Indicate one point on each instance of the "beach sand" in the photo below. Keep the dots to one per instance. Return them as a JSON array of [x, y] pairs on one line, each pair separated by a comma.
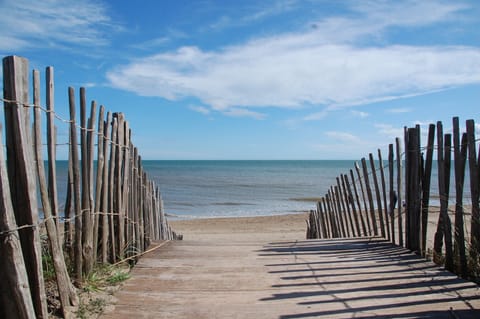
[[243, 229]]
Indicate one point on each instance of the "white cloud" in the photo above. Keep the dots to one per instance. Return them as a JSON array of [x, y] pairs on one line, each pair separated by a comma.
[[399, 110], [52, 23], [323, 66], [200, 109], [343, 137], [360, 114], [389, 130], [239, 112]]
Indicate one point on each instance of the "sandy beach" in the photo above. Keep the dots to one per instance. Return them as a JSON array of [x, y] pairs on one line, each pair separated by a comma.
[[244, 229]]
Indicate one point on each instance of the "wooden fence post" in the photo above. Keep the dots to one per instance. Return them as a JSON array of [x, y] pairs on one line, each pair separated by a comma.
[[105, 187], [460, 158], [360, 213], [78, 259], [398, 152], [111, 191], [474, 189], [391, 192], [370, 197], [378, 196], [384, 192], [15, 296], [99, 182], [349, 199], [88, 211], [51, 146], [67, 294], [426, 177], [22, 174], [444, 225], [412, 173], [357, 168], [341, 208]]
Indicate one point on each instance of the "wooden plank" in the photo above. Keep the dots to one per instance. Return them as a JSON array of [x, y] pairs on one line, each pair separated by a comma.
[[474, 189], [15, 297], [365, 205], [357, 198], [398, 153], [67, 294], [370, 196], [460, 159], [426, 178], [391, 192], [78, 259], [21, 174], [377, 196]]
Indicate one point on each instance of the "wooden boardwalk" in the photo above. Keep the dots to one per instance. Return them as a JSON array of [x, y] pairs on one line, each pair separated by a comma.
[[354, 278]]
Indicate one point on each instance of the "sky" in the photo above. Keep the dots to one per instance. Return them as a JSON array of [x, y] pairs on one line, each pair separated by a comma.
[[286, 79]]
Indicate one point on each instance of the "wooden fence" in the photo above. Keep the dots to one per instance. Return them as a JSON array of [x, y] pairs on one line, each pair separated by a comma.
[[113, 211], [398, 206]]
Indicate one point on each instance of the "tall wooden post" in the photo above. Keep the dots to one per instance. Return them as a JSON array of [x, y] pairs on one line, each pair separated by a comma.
[[21, 173]]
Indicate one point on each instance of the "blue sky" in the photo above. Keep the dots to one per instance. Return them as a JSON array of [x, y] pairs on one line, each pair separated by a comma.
[[257, 79]]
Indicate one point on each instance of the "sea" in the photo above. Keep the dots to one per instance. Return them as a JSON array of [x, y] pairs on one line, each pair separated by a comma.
[[234, 188]]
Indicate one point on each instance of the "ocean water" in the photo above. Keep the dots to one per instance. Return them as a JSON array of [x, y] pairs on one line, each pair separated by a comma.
[[199, 189], [242, 188]]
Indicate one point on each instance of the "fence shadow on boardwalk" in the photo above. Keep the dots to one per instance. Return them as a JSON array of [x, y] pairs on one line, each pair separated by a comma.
[[365, 278], [113, 211], [399, 200]]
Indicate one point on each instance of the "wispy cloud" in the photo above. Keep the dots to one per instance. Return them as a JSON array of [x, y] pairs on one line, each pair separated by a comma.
[[360, 114], [343, 137], [252, 13], [240, 112], [329, 66], [389, 131], [200, 109], [53, 23], [399, 110]]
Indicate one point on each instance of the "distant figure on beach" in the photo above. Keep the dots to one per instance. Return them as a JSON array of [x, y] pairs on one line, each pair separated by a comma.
[[394, 202]]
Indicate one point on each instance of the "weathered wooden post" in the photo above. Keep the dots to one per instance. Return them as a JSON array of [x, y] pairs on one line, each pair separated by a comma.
[[378, 196], [78, 259], [460, 158], [21, 173], [398, 155], [67, 294]]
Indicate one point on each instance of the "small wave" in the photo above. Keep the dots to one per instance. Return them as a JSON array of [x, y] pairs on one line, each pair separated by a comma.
[[233, 204], [305, 199]]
